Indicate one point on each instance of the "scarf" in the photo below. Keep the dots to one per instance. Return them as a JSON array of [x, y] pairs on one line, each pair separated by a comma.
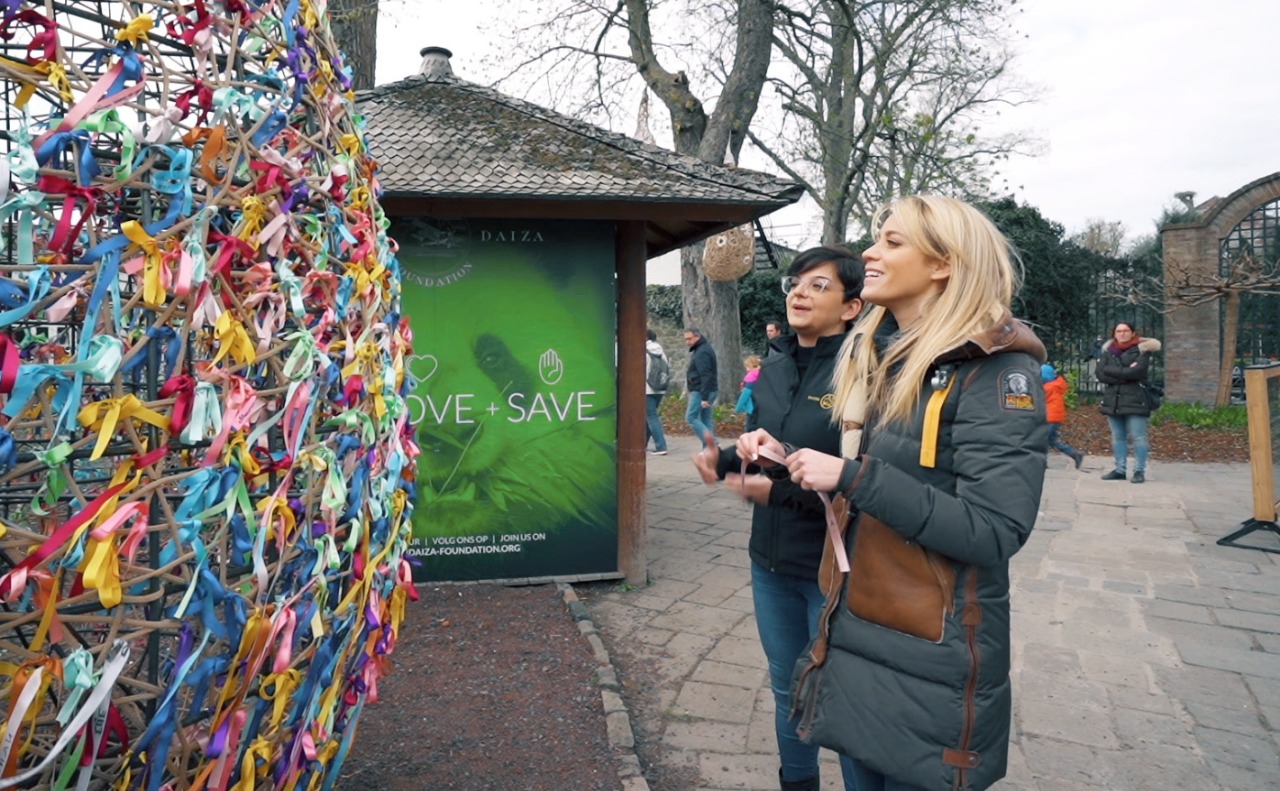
[[1117, 348]]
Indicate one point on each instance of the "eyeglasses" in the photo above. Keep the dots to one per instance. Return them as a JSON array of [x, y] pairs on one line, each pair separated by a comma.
[[818, 285]]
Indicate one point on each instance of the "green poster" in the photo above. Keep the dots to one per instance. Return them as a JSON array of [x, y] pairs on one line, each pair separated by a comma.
[[513, 335]]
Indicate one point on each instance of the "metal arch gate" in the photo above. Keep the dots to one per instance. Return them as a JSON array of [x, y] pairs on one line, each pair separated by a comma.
[[1256, 236]]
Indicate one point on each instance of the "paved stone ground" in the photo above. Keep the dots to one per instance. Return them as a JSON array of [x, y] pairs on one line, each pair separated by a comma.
[[1145, 656]]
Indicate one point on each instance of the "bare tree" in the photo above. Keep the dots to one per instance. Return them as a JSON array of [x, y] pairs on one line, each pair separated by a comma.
[[1243, 273], [1102, 236], [355, 28], [587, 53], [886, 97]]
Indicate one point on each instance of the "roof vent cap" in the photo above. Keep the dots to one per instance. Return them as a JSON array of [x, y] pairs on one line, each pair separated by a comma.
[[435, 62]]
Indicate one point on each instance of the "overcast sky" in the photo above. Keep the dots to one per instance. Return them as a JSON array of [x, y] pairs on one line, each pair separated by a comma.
[[1141, 99]]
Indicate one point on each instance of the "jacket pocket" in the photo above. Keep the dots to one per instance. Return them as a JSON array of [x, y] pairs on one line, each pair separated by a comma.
[[897, 584]]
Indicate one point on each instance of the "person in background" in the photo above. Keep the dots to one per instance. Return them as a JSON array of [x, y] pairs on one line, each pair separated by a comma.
[[653, 398], [745, 404], [1122, 370], [700, 383], [1055, 411], [942, 465], [772, 331], [788, 525]]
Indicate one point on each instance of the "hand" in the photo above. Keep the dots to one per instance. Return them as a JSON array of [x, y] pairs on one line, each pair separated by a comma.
[[706, 460], [814, 470], [750, 444], [755, 488], [706, 404]]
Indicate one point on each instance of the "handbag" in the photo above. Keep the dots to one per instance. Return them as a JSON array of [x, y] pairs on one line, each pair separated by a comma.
[[1153, 397]]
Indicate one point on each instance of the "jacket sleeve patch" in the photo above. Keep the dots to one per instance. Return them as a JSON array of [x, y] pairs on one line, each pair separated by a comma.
[[1016, 393]]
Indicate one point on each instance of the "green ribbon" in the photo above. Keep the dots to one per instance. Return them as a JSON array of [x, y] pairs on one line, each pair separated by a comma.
[[108, 122]]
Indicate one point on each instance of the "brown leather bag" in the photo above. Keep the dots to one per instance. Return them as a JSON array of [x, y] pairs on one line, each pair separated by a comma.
[[897, 584]]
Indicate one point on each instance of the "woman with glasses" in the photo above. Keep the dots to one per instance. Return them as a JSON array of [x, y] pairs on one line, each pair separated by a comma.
[[1122, 369], [942, 463], [788, 526]]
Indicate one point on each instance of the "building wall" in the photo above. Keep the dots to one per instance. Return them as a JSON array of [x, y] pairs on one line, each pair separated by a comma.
[[1193, 336]]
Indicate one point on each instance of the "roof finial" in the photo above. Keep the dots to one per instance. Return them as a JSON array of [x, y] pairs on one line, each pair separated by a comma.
[[435, 62]]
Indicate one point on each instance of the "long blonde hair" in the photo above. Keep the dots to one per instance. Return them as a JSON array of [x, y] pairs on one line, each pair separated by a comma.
[[974, 297]]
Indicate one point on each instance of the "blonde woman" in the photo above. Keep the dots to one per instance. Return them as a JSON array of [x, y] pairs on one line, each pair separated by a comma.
[[942, 461]]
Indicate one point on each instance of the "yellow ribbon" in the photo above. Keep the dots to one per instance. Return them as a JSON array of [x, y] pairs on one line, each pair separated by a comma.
[[360, 199], [366, 355], [271, 511], [136, 31], [253, 214], [102, 417], [29, 76], [101, 570], [278, 688], [254, 764], [237, 450], [350, 144], [234, 340], [152, 285], [256, 631]]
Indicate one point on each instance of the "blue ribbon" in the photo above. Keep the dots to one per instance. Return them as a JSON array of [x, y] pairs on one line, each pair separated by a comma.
[[56, 147], [8, 451]]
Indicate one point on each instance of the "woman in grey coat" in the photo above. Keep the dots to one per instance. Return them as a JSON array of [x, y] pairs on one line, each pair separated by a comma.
[[1123, 367], [942, 461]]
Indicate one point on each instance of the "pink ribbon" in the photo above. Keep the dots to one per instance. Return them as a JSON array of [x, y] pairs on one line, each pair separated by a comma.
[[833, 527]]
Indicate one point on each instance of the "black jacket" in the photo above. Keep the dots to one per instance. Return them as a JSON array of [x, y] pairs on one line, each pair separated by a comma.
[[702, 376], [1122, 393], [787, 535], [911, 708]]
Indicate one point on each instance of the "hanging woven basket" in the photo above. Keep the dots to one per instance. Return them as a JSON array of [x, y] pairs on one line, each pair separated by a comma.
[[729, 255]]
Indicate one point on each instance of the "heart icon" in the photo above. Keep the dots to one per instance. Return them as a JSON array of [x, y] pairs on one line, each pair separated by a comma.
[[423, 366]]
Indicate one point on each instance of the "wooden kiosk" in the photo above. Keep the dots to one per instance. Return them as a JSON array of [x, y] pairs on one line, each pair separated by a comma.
[[464, 165]]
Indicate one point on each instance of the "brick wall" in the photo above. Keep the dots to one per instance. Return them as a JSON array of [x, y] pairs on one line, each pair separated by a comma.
[[1192, 342]]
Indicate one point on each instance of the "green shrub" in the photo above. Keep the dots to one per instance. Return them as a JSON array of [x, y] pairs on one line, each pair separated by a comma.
[[665, 302], [1073, 391], [1201, 416]]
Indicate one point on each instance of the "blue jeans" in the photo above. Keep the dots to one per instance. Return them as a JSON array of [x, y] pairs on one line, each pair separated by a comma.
[[1136, 428], [1056, 442], [698, 416], [870, 780], [652, 423], [787, 611]]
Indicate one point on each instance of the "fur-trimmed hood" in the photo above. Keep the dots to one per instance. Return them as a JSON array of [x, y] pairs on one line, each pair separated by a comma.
[[1146, 345], [1007, 335]]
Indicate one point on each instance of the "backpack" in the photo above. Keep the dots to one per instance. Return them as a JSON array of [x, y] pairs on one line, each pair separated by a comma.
[[659, 376]]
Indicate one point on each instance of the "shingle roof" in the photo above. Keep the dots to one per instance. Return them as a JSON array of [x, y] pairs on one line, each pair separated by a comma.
[[444, 137]]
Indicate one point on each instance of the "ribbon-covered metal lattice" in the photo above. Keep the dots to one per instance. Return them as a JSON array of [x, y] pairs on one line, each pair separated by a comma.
[[206, 462]]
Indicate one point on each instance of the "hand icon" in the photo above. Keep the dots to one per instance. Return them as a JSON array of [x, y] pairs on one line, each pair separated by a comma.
[[550, 367]]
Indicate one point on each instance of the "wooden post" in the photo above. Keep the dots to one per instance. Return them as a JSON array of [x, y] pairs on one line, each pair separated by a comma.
[[632, 323], [1261, 464]]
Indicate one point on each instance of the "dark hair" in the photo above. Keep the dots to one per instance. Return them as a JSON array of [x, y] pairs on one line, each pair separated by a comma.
[[848, 266], [1132, 327], [653, 336], [778, 325]]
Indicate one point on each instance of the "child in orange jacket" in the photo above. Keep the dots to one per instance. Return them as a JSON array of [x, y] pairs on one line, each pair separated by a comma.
[[1055, 410]]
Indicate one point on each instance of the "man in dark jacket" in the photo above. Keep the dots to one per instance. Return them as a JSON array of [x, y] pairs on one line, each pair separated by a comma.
[[700, 384]]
